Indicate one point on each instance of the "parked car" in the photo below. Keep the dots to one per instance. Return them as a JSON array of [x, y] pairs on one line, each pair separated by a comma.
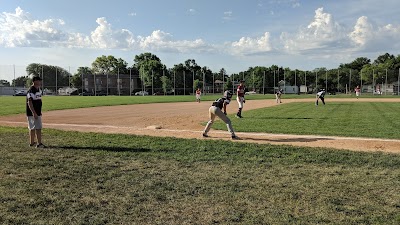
[[142, 93], [85, 93], [20, 93], [101, 93]]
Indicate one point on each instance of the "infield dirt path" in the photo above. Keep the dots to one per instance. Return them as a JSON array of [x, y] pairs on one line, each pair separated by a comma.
[[183, 120]]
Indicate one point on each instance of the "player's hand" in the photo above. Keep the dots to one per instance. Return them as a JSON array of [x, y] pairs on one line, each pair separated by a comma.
[[244, 101], [35, 116]]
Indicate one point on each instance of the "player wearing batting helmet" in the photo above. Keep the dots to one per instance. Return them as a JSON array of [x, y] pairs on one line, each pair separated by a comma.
[[216, 110]]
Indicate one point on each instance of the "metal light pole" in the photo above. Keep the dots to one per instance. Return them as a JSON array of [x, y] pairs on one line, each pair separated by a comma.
[[223, 82], [338, 79], [264, 83], [152, 82], [350, 82], [361, 82], [184, 82], [305, 81], [14, 78], [284, 81], [274, 80], [386, 82], [82, 83], [213, 84], [118, 83], [56, 79], [193, 84], [316, 80], [373, 81], [326, 81], [107, 84], [174, 84], [130, 82], [204, 82]]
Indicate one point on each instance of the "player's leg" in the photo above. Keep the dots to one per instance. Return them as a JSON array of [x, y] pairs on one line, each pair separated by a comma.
[[38, 127], [240, 103], [316, 101], [323, 100], [211, 112], [227, 121], [31, 128]]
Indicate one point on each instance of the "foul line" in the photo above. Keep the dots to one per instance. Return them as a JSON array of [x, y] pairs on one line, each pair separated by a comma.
[[217, 132]]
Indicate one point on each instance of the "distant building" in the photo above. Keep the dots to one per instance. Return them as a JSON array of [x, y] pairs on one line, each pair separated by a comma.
[[111, 84]]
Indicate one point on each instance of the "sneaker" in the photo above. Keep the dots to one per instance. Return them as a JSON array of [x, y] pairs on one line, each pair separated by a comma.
[[205, 135], [235, 137], [239, 116], [31, 145], [40, 146]]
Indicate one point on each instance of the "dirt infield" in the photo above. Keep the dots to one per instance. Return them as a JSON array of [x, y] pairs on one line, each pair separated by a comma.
[[183, 120]]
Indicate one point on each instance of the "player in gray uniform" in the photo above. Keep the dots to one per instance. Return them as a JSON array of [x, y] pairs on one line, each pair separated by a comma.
[[320, 95], [216, 110]]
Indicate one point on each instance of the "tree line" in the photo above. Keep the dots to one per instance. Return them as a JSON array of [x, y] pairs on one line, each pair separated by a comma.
[[187, 75]]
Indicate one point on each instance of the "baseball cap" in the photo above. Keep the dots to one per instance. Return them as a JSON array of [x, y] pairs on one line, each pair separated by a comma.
[[36, 78]]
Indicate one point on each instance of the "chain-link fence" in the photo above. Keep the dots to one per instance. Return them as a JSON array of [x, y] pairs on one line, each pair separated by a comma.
[[68, 81]]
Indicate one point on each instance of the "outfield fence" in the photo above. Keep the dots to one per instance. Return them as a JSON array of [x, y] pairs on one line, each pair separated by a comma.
[[67, 81]]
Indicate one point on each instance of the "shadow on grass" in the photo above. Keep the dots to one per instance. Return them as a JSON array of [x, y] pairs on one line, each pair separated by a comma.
[[101, 148], [287, 139]]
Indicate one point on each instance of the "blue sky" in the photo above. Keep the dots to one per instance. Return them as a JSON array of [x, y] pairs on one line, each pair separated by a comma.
[[225, 33]]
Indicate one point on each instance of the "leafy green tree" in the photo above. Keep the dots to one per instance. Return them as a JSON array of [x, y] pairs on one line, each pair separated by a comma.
[[4, 83], [20, 81], [53, 76], [166, 83], [109, 65], [150, 69]]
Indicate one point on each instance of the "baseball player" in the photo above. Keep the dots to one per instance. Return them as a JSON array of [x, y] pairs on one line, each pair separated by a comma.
[[278, 96], [240, 98], [358, 91], [198, 95], [216, 110], [320, 95], [34, 113]]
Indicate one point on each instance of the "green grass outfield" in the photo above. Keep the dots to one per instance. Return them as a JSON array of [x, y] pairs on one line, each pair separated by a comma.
[[352, 119], [16, 105], [122, 179]]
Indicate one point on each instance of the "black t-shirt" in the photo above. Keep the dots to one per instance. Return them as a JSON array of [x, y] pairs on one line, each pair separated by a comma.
[[220, 102], [35, 95]]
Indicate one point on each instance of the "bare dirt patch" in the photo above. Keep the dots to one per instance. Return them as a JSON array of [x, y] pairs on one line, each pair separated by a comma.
[[183, 120]]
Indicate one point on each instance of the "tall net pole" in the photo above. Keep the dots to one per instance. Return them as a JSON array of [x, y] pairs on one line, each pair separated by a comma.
[[184, 82], [264, 83], [193, 83], [130, 82]]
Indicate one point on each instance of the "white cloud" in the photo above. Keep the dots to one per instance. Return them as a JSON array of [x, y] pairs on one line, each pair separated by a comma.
[[366, 36], [132, 14], [251, 46], [19, 30], [104, 37], [323, 32], [295, 4], [228, 15], [192, 12], [162, 41]]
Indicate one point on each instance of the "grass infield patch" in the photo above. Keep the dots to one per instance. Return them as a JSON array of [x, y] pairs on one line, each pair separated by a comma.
[[350, 119], [89, 178], [15, 105]]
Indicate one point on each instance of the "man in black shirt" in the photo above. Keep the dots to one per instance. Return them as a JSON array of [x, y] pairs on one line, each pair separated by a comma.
[[34, 112], [216, 110]]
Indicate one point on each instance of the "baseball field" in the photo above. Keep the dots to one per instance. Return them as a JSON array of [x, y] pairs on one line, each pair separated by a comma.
[[142, 160]]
